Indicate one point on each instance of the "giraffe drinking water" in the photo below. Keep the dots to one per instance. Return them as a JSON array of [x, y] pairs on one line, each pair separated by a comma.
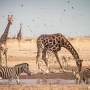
[[54, 42]]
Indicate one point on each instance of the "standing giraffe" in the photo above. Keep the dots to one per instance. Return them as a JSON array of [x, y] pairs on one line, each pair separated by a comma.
[[19, 35], [3, 40], [54, 42]]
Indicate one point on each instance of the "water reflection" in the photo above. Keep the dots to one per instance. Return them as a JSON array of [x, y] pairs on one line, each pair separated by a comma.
[[55, 81], [42, 81]]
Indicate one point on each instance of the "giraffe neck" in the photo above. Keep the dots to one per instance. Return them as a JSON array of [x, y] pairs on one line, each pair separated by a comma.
[[20, 30], [71, 49], [19, 35], [5, 34]]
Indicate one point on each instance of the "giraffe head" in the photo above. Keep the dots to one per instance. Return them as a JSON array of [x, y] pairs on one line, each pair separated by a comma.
[[79, 64], [10, 19], [20, 25]]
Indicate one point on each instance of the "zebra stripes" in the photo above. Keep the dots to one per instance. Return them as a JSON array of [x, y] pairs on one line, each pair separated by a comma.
[[20, 68], [86, 75], [13, 72], [6, 72]]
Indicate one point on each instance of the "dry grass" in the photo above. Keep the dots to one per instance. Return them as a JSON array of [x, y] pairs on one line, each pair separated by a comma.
[[26, 52]]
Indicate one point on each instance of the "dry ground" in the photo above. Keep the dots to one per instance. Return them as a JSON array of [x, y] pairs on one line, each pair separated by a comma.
[[25, 52], [45, 87]]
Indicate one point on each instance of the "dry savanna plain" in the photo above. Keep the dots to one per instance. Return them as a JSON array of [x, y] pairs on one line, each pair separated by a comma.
[[26, 51]]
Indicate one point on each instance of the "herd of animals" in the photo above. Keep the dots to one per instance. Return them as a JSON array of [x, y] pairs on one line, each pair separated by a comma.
[[45, 43]]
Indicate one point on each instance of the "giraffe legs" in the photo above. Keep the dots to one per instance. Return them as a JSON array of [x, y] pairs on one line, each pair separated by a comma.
[[3, 53], [39, 62], [38, 55], [0, 58], [56, 55], [5, 57], [44, 59]]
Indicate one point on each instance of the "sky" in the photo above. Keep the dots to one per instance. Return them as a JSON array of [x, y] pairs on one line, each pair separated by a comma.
[[69, 17]]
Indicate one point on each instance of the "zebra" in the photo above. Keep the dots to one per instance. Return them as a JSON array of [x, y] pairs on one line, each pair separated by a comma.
[[86, 75], [14, 72]]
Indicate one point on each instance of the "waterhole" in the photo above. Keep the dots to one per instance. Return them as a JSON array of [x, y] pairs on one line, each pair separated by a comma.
[[41, 81]]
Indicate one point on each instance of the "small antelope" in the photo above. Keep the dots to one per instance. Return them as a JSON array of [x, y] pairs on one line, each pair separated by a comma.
[[65, 60], [77, 76]]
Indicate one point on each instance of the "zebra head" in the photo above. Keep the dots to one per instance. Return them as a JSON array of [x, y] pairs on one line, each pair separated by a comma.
[[23, 67], [26, 69]]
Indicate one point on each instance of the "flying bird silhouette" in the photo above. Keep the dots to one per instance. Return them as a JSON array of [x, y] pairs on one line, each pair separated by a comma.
[[68, 1]]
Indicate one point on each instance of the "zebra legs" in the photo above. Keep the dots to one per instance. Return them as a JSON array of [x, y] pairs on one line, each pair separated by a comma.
[[9, 81], [0, 80], [17, 79]]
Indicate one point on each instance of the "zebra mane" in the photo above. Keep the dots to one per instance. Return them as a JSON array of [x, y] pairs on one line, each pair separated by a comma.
[[21, 64]]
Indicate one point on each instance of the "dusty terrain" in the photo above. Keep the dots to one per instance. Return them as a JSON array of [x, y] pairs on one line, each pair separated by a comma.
[[25, 52]]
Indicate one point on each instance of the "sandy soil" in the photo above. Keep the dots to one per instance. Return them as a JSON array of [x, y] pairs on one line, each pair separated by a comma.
[[45, 87], [25, 52]]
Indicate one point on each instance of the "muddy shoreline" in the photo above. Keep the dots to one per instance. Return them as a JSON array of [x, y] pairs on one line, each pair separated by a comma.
[[26, 53], [45, 87]]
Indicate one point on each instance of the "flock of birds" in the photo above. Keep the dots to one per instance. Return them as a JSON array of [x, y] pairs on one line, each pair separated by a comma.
[[43, 19]]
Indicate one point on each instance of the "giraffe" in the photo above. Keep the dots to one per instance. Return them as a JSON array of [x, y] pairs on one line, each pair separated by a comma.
[[19, 35], [3, 40], [54, 43]]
